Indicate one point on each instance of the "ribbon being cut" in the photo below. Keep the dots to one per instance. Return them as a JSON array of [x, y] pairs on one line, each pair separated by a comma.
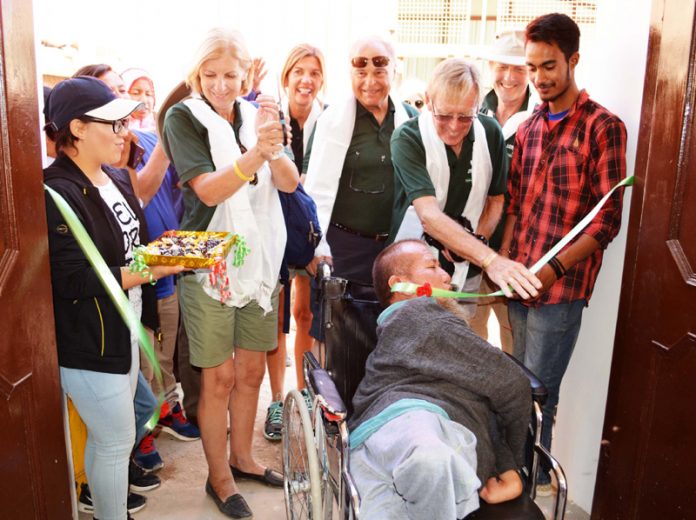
[[427, 290]]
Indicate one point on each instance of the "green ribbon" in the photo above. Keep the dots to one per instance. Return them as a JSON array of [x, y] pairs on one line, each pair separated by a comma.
[[138, 264], [241, 250], [113, 289], [410, 288]]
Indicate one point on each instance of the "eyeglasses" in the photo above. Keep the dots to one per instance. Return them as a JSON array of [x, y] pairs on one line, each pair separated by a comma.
[[418, 103], [446, 119], [363, 190], [117, 126], [360, 62]]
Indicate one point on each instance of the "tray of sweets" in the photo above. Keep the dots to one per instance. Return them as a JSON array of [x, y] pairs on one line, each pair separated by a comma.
[[193, 249]]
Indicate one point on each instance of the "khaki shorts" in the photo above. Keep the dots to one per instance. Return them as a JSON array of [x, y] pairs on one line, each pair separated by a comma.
[[214, 330]]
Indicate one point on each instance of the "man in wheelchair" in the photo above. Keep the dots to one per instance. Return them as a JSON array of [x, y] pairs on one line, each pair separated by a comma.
[[440, 418]]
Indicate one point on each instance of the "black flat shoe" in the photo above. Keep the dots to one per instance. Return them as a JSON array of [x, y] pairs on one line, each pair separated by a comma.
[[234, 507], [270, 477]]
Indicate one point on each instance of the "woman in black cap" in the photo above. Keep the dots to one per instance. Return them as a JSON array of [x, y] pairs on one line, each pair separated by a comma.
[[97, 354]]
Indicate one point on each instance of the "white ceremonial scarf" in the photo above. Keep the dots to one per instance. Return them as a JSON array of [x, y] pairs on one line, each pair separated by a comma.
[[253, 212], [439, 172], [314, 114], [512, 124], [332, 137]]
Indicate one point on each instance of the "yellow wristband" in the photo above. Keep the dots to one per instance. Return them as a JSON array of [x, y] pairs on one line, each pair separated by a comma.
[[238, 172], [488, 260]]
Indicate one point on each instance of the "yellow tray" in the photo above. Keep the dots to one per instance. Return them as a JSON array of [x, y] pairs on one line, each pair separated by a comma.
[[213, 256]]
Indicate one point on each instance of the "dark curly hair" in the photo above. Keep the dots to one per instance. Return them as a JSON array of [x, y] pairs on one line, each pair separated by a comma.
[[555, 28]]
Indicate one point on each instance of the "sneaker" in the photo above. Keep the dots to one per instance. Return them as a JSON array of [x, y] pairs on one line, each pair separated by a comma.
[[84, 503], [273, 429], [308, 399], [140, 480], [176, 425], [146, 455]]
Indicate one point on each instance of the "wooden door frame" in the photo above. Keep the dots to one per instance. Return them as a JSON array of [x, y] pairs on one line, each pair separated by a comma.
[[34, 474]]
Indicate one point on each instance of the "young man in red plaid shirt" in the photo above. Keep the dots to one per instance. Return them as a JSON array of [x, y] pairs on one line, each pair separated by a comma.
[[567, 156]]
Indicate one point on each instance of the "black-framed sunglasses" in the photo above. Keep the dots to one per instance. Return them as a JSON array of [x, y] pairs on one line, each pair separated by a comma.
[[418, 103], [117, 126], [360, 62]]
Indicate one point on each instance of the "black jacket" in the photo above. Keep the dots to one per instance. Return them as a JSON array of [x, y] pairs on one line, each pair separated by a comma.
[[90, 333]]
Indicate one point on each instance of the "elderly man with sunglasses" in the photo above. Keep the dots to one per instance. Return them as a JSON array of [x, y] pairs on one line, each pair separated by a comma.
[[349, 168], [450, 181]]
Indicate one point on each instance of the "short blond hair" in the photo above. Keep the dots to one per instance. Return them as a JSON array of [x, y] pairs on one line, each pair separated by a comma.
[[453, 77], [217, 43], [297, 53]]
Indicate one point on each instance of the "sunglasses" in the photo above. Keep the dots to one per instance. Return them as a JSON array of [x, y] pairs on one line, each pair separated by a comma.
[[418, 103], [446, 119], [117, 126], [360, 62]]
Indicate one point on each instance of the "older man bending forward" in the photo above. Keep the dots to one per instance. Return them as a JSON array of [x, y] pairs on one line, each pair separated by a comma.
[[440, 416]]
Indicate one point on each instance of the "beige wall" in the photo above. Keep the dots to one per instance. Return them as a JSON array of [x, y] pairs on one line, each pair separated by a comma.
[[612, 70]]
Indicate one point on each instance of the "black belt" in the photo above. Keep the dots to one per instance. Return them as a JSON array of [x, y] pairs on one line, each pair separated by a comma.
[[381, 237]]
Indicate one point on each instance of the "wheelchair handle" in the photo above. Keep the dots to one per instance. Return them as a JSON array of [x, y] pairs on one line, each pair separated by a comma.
[[323, 271]]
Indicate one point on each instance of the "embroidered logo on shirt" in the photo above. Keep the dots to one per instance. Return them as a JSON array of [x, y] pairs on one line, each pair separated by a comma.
[[62, 229]]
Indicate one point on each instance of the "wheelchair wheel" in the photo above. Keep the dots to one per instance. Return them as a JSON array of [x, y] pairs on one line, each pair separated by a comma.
[[327, 495], [300, 465]]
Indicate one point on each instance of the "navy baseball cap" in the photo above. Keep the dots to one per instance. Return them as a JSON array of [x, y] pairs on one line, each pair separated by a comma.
[[85, 96]]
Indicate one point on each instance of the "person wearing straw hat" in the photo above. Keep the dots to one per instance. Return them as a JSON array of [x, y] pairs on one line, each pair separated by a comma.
[[510, 102], [568, 154], [450, 173]]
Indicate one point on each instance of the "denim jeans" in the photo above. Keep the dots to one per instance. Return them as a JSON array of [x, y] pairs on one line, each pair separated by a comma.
[[543, 339], [105, 403], [144, 404]]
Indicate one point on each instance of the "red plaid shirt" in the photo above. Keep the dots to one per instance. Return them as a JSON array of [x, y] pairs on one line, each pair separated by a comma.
[[556, 177]]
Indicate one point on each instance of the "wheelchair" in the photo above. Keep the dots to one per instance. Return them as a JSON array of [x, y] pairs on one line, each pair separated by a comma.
[[316, 465]]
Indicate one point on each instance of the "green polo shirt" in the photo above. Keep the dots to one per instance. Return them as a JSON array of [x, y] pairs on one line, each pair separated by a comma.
[[366, 188], [411, 176], [185, 141], [488, 107]]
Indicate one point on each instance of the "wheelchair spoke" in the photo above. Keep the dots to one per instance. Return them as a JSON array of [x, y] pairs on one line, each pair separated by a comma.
[[299, 460]]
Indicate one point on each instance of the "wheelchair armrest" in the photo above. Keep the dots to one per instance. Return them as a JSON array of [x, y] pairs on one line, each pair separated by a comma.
[[327, 394], [539, 391]]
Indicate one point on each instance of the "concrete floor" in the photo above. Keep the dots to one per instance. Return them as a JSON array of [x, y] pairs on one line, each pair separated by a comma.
[[182, 495]]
